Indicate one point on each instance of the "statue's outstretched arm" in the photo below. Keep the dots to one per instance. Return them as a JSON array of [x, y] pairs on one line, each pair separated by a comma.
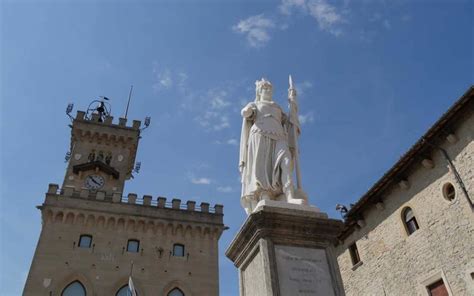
[[248, 111]]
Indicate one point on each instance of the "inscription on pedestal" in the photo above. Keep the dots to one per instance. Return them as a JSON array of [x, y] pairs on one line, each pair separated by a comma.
[[303, 271]]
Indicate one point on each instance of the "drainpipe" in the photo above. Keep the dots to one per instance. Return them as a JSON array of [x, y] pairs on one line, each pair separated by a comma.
[[455, 172]]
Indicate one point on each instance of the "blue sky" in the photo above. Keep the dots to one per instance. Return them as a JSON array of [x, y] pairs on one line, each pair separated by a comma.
[[372, 76]]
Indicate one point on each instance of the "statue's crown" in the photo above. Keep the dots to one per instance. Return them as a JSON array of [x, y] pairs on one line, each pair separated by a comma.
[[259, 84]]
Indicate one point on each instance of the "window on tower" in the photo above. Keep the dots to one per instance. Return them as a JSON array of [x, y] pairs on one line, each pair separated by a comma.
[[178, 250], [133, 245], [85, 241]]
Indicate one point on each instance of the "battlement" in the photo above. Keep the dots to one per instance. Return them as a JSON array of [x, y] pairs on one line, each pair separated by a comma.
[[133, 199], [122, 122]]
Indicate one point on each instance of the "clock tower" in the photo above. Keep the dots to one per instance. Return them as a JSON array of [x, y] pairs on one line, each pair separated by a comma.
[[94, 238], [102, 154]]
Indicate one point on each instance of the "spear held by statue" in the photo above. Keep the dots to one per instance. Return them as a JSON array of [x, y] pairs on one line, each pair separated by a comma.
[[294, 130]]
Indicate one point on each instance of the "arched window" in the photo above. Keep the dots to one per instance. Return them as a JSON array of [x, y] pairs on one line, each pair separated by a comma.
[[176, 292], [125, 291], [410, 221], [178, 250], [74, 289]]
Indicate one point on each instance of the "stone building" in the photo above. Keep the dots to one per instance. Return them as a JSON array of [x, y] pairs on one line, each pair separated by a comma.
[[412, 233], [92, 238]]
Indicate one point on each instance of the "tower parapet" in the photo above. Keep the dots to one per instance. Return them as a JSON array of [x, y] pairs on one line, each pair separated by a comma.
[[108, 121], [54, 193]]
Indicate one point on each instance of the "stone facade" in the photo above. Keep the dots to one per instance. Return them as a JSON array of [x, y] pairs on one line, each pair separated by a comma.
[[113, 223], [392, 262]]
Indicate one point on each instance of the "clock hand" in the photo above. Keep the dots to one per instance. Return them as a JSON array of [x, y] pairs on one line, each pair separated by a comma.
[[95, 181]]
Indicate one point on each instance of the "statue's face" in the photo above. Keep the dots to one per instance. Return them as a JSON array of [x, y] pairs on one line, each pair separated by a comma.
[[266, 93]]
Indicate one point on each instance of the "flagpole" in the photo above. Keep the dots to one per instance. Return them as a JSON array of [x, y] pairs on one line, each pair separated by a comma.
[[131, 286], [128, 103]]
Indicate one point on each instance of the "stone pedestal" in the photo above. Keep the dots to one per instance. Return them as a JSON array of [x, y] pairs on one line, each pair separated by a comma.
[[287, 250]]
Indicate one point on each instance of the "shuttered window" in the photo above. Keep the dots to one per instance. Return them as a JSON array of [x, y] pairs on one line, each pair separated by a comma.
[[354, 254], [438, 289]]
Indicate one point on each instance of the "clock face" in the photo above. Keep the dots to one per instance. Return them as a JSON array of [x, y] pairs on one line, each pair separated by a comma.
[[94, 182]]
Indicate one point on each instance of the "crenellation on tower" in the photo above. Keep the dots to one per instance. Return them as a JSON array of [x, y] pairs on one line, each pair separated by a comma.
[[133, 199], [108, 120]]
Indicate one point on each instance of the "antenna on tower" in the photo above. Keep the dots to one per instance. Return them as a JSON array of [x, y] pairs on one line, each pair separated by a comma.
[[128, 103]]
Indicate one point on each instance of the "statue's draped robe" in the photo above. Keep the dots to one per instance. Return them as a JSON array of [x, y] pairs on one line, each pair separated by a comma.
[[263, 147]]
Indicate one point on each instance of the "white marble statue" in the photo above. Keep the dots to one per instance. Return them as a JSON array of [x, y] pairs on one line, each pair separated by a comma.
[[268, 150]]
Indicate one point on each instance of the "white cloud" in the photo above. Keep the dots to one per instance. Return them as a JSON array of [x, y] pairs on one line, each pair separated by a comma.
[[287, 6], [216, 116], [225, 189], [375, 17], [256, 28], [380, 19], [213, 120], [326, 15], [218, 99], [223, 122], [306, 118], [302, 87], [182, 79], [162, 78], [232, 142], [201, 181]]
